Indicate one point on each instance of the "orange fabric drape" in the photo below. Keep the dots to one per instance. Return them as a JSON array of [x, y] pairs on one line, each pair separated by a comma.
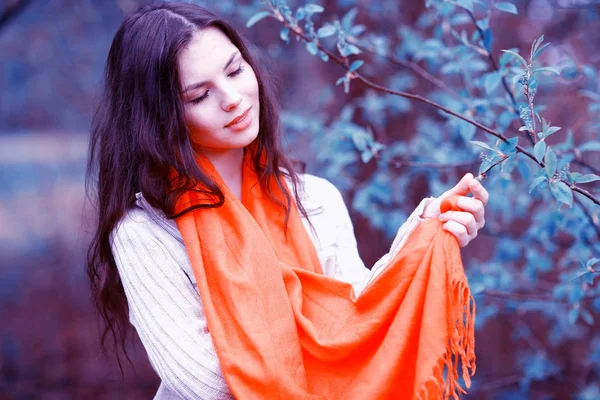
[[283, 330]]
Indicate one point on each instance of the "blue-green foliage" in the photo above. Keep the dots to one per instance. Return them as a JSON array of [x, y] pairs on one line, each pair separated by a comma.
[[544, 236]]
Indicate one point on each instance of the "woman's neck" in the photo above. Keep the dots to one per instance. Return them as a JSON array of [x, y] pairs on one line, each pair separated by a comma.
[[228, 164]]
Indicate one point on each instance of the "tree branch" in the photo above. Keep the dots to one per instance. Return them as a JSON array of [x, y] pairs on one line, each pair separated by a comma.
[[416, 68], [355, 75], [410, 164]]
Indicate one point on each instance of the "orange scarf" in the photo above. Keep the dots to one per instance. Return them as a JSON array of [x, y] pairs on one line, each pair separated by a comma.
[[283, 330]]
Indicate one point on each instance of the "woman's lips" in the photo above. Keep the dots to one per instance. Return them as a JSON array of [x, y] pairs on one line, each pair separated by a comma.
[[238, 118], [242, 122]]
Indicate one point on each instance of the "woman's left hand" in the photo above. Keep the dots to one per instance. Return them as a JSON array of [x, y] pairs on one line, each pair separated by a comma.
[[462, 224]]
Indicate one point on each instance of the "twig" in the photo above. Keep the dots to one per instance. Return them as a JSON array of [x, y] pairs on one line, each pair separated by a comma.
[[409, 164], [584, 192], [493, 61], [496, 68], [529, 297], [414, 67], [499, 383], [579, 160], [585, 164], [593, 219], [483, 174]]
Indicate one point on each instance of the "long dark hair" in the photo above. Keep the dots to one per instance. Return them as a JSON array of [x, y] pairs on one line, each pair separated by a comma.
[[138, 133]]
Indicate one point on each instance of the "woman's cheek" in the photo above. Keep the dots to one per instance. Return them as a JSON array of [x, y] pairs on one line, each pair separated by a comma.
[[251, 84], [197, 123]]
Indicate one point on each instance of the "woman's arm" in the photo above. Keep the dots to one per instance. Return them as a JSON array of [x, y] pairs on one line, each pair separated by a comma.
[[165, 309], [464, 225], [339, 252]]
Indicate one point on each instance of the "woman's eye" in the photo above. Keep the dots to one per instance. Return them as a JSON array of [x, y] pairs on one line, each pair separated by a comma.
[[199, 99], [236, 72], [205, 95]]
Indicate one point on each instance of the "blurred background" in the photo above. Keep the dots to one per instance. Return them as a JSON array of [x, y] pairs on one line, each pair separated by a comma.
[[532, 268]]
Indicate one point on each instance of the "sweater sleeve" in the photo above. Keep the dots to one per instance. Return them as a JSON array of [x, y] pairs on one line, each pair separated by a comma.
[[351, 268], [165, 309]]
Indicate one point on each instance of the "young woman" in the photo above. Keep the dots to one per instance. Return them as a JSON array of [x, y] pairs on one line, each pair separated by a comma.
[[197, 201]]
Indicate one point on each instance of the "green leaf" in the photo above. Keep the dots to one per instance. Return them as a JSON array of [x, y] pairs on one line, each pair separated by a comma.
[[589, 94], [340, 80], [533, 83], [591, 262], [579, 275], [481, 144], [506, 7], [348, 19], [585, 315], [466, 4], [491, 81], [517, 56], [509, 145], [485, 164], [366, 156], [539, 51], [517, 78], [539, 150], [573, 176], [580, 178], [257, 17], [551, 130], [488, 39], [313, 8], [550, 160], [352, 49], [593, 145], [466, 130], [312, 48], [356, 30], [361, 140], [545, 69], [326, 31], [573, 315], [535, 45], [285, 34], [562, 192], [300, 14], [537, 182], [355, 65]]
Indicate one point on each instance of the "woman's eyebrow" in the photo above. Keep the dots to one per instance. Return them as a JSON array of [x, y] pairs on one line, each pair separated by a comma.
[[199, 84]]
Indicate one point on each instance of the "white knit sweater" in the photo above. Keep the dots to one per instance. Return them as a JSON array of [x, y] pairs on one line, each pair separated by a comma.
[[164, 304]]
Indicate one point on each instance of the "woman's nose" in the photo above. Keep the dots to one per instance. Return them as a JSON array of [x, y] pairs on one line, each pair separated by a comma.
[[231, 100]]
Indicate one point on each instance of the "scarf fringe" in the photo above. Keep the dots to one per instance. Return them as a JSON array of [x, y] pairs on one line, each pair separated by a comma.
[[461, 346]]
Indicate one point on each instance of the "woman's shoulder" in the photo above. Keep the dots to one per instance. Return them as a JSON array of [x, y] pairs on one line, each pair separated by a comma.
[[145, 221], [317, 190], [316, 193]]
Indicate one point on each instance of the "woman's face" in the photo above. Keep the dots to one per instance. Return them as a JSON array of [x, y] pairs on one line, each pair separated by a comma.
[[218, 87]]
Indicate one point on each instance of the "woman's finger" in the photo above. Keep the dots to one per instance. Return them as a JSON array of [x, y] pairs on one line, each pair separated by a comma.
[[459, 231], [461, 188], [464, 218], [475, 207], [479, 191]]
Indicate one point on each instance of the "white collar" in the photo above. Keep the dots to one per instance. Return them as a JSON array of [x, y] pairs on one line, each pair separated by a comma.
[[158, 216]]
